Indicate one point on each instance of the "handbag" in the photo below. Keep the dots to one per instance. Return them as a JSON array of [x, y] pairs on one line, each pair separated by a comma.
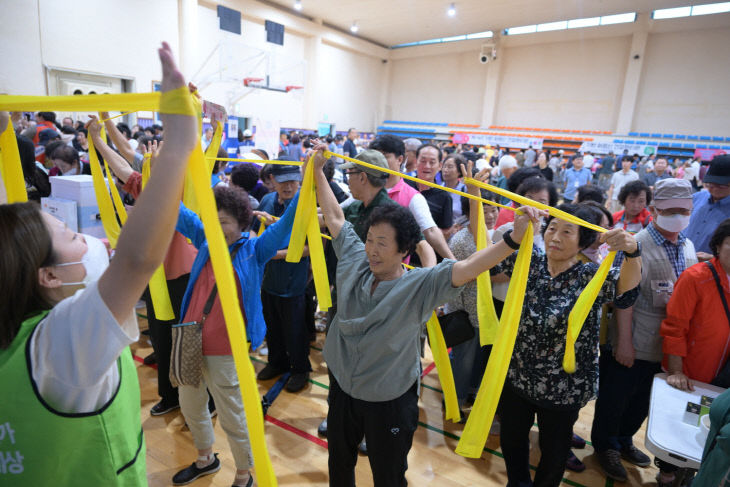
[[456, 327], [722, 379], [186, 356]]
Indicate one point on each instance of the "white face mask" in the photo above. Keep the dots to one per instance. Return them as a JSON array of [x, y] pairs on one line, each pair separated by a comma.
[[673, 223], [95, 262], [71, 172]]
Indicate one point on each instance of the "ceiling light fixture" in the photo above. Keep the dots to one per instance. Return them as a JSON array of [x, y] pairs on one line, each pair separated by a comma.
[[298, 5], [452, 10], [354, 28]]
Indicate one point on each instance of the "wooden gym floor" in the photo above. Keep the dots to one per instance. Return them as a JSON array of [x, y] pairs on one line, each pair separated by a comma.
[[299, 456]]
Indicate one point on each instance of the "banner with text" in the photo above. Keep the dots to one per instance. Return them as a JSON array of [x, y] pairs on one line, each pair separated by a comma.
[[267, 136], [500, 140], [603, 145]]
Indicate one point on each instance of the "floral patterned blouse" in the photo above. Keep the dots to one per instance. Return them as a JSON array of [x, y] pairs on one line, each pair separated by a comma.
[[536, 369]]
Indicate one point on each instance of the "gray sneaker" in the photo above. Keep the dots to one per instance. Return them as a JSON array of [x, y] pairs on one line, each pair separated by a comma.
[[610, 461], [633, 455]]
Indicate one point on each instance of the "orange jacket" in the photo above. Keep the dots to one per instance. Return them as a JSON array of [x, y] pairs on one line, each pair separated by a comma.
[[696, 327]]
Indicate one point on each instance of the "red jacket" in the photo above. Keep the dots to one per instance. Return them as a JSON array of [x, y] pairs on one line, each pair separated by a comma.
[[696, 327]]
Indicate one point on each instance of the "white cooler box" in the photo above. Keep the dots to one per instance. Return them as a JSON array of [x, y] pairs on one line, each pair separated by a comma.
[[64, 210], [80, 188], [668, 436]]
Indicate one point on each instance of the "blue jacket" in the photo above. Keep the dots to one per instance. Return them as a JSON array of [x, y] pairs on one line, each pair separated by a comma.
[[249, 262]]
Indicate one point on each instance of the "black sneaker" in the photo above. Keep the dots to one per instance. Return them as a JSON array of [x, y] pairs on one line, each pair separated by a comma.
[[610, 461], [322, 428], [161, 408], [633, 455], [577, 442], [297, 382], [269, 372], [187, 475]]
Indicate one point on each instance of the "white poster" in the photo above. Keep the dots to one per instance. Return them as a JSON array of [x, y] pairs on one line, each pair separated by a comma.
[[604, 145], [267, 137], [500, 140]]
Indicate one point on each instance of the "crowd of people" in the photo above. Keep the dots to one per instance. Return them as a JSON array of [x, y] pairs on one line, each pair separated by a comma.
[[662, 306]]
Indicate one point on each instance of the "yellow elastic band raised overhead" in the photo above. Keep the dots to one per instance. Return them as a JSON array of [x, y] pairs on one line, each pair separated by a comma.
[[528, 202], [178, 103], [235, 325]]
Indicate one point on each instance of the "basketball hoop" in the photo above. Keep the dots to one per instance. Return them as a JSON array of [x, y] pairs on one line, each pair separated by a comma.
[[250, 81]]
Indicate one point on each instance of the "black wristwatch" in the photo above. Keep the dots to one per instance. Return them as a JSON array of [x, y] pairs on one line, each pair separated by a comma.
[[636, 253]]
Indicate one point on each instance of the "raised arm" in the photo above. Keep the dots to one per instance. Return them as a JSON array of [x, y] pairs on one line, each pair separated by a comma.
[[147, 234], [334, 218], [119, 140], [117, 164], [622, 240], [468, 269]]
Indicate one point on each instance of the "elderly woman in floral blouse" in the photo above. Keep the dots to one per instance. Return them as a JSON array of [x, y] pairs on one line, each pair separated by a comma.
[[536, 382]]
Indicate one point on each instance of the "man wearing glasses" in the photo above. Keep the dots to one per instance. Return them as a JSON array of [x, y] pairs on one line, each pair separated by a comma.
[[711, 207]]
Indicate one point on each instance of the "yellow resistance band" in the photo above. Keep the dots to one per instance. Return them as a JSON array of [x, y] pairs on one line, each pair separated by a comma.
[[306, 227], [480, 420], [235, 326], [123, 102], [486, 313], [159, 293], [215, 143], [10, 166], [257, 161]]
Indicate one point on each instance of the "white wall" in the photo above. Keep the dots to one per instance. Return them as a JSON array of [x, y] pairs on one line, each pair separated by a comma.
[[110, 38], [349, 88], [572, 85], [441, 88], [575, 79], [685, 87]]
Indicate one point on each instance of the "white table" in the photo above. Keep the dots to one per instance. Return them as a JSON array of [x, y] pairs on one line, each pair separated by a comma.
[[668, 437]]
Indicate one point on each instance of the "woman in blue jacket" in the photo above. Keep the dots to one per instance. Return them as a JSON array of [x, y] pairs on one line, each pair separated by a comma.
[[249, 257]]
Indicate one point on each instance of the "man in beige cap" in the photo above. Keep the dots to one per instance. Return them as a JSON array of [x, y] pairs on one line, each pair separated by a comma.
[[634, 355]]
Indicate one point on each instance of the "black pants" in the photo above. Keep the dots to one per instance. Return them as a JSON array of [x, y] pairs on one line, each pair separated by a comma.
[[161, 336], [286, 332], [388, 427], [623, 401], [516, 417]]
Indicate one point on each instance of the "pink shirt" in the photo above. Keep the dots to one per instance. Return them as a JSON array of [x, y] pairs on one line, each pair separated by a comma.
[[180, 254], [215, 335], [401, 193]]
